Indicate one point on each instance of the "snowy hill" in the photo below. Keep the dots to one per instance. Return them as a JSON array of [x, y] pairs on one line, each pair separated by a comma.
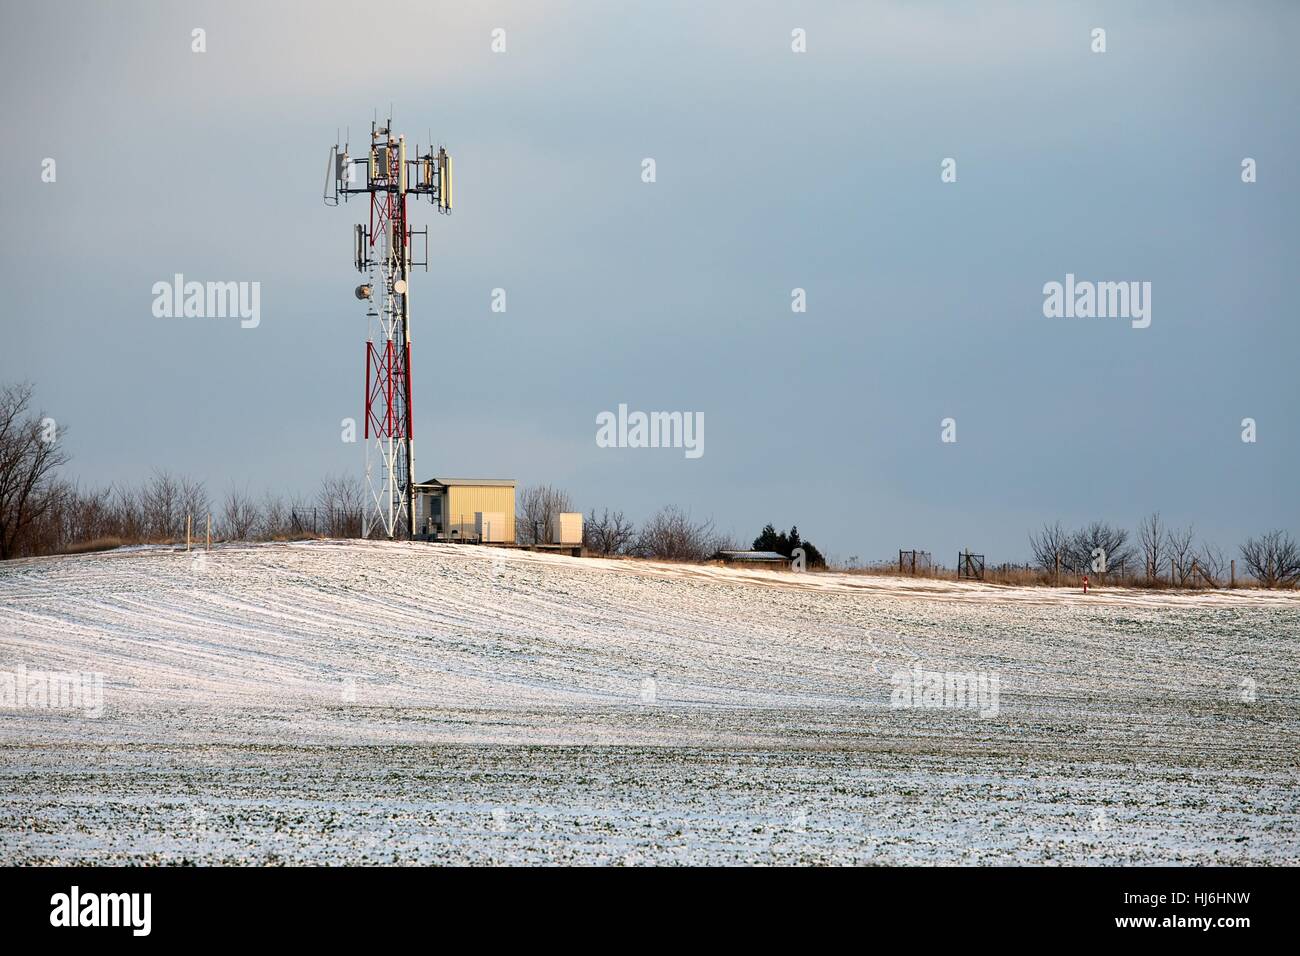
[[717, 696]]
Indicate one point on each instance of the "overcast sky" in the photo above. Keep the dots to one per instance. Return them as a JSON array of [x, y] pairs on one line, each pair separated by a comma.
[[775, 170]]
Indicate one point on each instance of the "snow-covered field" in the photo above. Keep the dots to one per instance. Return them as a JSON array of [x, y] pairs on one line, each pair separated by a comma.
[[395, 703]]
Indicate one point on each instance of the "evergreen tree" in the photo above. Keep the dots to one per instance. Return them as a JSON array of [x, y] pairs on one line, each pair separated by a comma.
[[812, 556], [768, 540], [782, 543]]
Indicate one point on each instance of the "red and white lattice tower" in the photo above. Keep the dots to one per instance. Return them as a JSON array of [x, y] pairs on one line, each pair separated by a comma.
[[382, 250]]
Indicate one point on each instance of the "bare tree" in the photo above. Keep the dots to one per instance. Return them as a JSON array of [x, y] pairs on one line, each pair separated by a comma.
[[611, 533], [77, 518], [727, 541], [58, 522], [239, 515], [160, 505], [340, 500], [1211, 563], [72, 517], [1086, 543], [1151, 536], [537, 506], [194, 502], [127, 513], [670, 533], [1272, 559], [1050, 547], [30, 454], [1182, 552], [274, 521]]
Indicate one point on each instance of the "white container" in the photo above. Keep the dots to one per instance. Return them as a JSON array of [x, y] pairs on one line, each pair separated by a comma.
[[566, 528], [490, 526]]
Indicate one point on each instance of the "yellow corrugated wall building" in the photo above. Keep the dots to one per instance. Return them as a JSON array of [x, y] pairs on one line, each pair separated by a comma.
[[464, 500], [461, 499]]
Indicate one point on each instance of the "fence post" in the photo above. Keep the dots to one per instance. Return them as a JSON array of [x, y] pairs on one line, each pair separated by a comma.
[[209, 531], [1234, 573], [189, 518]]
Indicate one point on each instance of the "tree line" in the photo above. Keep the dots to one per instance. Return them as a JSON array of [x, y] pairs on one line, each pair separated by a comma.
[[41, 512], [1163, 554], [670, 534]]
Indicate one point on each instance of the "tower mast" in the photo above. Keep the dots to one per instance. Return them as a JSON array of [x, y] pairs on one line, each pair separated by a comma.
[[383, 252]]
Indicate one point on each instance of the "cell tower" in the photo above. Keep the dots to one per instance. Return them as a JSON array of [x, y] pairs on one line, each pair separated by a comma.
[[382, 251]]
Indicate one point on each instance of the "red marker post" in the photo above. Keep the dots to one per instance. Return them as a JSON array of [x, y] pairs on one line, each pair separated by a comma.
[[1085, 584]]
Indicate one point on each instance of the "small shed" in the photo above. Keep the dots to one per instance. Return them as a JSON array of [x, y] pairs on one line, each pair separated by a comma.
[[454, 509], [766, 559]]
